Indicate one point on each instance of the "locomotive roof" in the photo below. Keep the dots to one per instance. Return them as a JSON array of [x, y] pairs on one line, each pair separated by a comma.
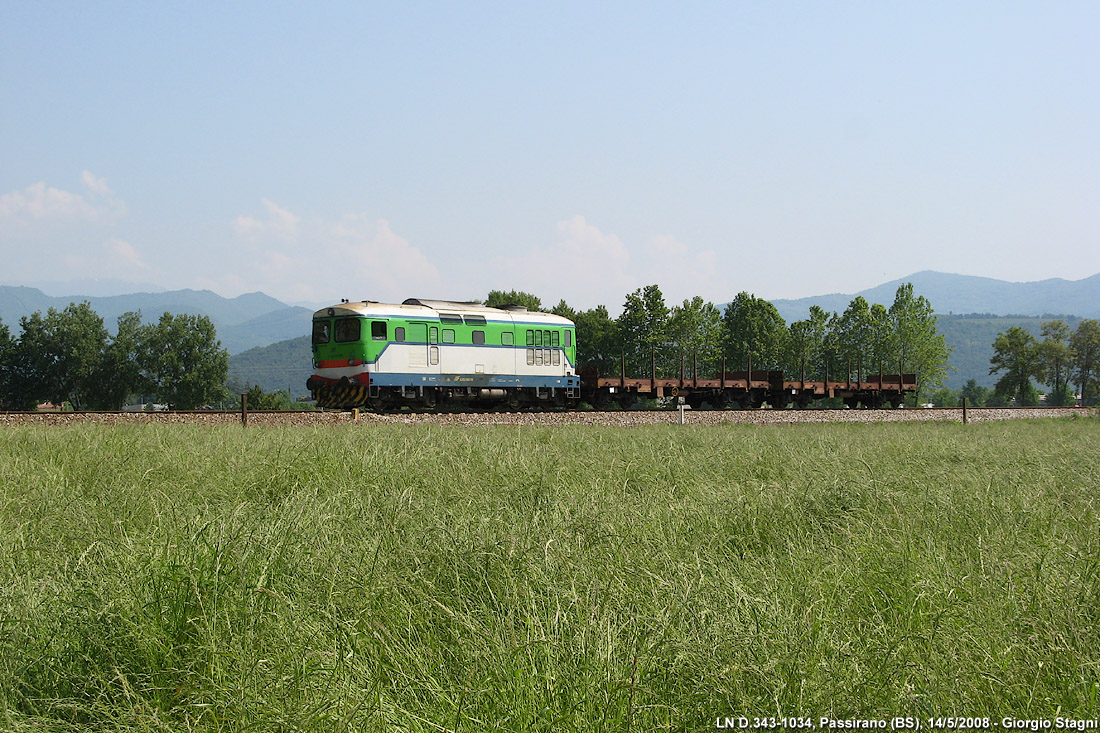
[[414, 307]]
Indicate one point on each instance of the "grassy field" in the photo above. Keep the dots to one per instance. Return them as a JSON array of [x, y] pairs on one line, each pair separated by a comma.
[[576, 578]]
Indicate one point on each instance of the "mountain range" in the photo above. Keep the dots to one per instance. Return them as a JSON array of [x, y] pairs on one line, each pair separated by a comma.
[[969, 294], [267, 342]]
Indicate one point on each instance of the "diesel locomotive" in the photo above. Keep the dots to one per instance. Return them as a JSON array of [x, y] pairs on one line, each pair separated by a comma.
[[427, 353]]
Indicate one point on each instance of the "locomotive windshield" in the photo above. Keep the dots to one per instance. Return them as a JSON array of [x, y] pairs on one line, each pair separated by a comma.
[[347, 329], [320, 332]]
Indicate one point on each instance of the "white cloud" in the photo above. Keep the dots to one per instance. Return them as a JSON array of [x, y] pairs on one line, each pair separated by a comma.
[[124, 254], [40, 202], [683, 272], [585, 267], [588, 267], [279, 224], [355, 256]]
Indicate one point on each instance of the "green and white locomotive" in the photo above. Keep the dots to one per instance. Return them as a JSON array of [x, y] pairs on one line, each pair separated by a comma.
[[428, 353]]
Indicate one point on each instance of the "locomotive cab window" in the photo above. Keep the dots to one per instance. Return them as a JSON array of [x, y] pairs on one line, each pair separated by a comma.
[[320, 332], [347, 329], [568, 338], [378, 330]]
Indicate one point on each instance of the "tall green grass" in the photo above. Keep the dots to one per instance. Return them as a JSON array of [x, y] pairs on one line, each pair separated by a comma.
[[445, 578]]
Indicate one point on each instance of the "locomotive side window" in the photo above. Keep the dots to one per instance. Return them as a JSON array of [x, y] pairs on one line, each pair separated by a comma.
[[507, 338], [474, 320], [478, 337], [448, 335], [557, 358], [433, 335], [538, 338], [433, 355], [450, 318], [399, 333], [568, 338], [530, 356], [556, 335], [320, 332], [530, 337], [378, 330], [347, 329]]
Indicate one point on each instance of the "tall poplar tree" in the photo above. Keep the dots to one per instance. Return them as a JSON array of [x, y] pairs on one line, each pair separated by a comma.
[[918, 346], [644, 329], [753, 327]]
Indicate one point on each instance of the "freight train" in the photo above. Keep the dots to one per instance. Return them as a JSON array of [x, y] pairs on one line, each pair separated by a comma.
[[428, 354]]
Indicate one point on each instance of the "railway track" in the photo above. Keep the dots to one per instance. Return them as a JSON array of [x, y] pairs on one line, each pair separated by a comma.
[[622, 418]]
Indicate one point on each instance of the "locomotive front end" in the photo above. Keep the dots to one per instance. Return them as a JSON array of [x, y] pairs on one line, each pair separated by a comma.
[[341, 358]]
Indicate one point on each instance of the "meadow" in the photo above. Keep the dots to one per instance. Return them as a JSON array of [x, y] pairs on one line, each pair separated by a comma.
[[427, 578]]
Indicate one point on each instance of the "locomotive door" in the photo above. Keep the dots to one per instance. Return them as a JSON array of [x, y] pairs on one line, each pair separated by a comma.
[[418, 345]]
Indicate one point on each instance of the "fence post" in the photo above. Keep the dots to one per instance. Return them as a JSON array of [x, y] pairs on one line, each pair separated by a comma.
[[244, 409], [964, 411]]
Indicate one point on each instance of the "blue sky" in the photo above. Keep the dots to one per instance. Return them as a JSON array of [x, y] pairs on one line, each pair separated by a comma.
[[575, 150]]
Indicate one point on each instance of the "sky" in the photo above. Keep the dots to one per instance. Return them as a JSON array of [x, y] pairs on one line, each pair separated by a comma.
[[575, 150]]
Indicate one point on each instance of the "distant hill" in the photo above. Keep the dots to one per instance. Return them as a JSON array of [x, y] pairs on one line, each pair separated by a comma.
[[967, 294], [284, 365], [249, 320]]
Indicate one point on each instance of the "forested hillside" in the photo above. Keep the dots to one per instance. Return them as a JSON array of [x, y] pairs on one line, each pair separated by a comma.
[[283, 365]]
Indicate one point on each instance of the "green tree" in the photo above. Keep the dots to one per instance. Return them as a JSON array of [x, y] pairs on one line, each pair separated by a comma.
[[753, 327], [644, 330], [598, 343], [696, 332], [57, 356], [182, 361], [260, 400], [7, 354], [944, 397], [917, 344], [853, 338], [562, 309], [975, 394], [806, 345], [1085, 343], [118, 374], [498, 298], [1016, 354], [1055, 362]]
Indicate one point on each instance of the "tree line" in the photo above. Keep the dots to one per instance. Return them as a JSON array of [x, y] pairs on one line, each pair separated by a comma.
[[1058, 361], [68, 356], [863, 340]]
